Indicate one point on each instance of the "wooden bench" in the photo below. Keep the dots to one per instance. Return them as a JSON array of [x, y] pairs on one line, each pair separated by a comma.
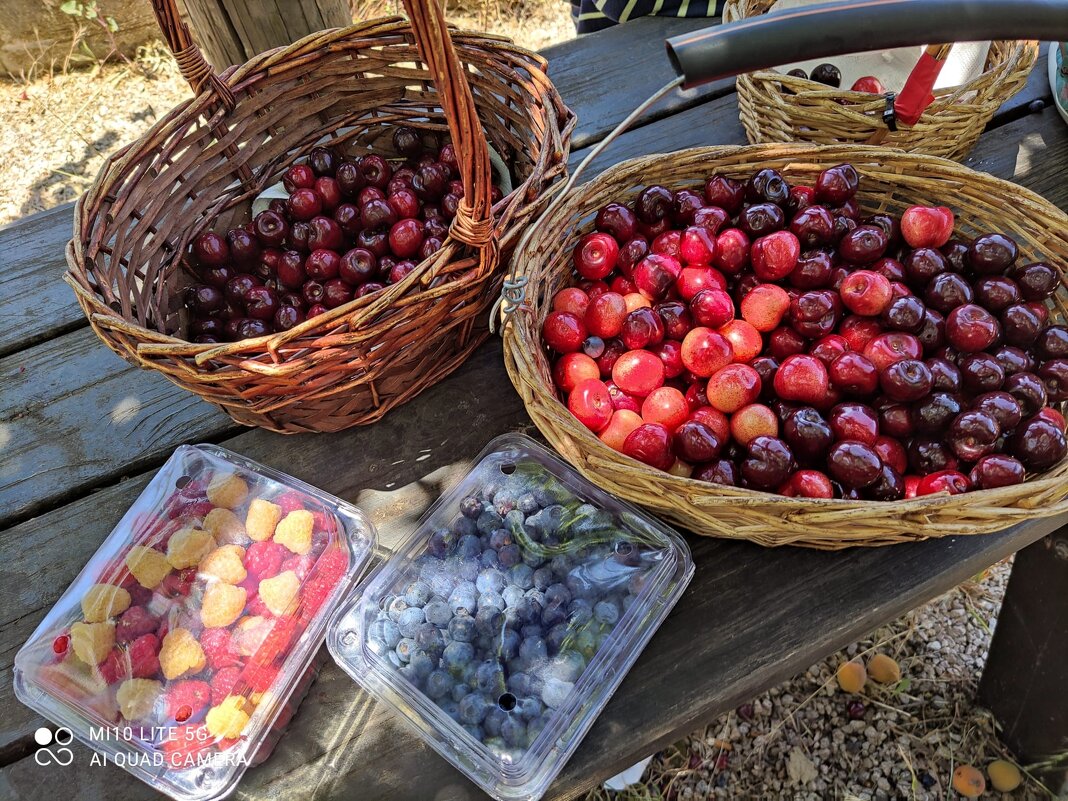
[[81, 432]]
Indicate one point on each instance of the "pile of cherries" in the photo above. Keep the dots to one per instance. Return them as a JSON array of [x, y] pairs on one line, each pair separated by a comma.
[[775, 337], [348, 228]]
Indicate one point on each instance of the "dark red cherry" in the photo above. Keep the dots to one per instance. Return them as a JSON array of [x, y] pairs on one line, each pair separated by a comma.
[[323, 160]]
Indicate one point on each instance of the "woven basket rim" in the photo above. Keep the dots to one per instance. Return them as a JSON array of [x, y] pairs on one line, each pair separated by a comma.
[[518, 346]]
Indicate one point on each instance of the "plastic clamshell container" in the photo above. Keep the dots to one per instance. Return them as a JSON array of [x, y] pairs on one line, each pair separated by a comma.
[[183, 648], [501, 627]]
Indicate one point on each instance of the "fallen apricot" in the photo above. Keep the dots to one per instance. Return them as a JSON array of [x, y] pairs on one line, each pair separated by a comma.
[[851, 676], [884, 669], [1004, 776], [968, 781]]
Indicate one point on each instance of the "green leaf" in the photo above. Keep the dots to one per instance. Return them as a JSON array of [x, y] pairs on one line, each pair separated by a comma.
[[72, 7], [903, 685]]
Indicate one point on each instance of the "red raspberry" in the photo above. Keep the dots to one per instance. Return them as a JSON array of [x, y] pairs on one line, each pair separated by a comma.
[[223, 683], [114, 668], [216, 645], [300, 565], [179, 508], [187, 747], [256, 606], [290, 501], [187, 700], [144, 656], [134, 622], [329, 570], [259, 678], [178, 583], [276, 644], [264, 559]]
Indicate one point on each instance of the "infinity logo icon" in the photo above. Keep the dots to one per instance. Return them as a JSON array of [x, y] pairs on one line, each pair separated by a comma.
[[59, 756]]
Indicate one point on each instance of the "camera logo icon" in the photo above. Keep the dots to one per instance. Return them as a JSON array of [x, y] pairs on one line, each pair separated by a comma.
[[59, 754]]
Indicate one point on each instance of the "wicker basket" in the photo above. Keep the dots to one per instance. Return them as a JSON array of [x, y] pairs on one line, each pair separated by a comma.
[[890, 180], [200, 167], [775, 107]]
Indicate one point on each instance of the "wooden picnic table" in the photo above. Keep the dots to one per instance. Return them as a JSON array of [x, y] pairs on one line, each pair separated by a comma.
[[81, 432]]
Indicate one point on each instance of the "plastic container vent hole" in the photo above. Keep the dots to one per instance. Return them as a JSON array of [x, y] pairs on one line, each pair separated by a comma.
[[506, 702], [181, 481], [508, 468]]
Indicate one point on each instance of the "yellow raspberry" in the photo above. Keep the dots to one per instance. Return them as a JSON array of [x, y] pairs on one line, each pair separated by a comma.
[[221, 605], [225, 564], [279, 592], [103, 601], [262, 517], [227, 720], [181, 654], [227, 490], [92, 642], [249, 634], [137, 697], [295, 532], [148, 566], [188, 547], [225, 527]]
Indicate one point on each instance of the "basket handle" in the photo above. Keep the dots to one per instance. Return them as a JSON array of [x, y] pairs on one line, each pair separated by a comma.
[[196, 70], [473, 223]]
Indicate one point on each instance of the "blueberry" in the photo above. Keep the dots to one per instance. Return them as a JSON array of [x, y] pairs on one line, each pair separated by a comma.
[[459, 691], [438, 612], [469, 547], [580, 611], [438, 684], [489, 521], [561, 566], [417, 594], [491, 599], [512, 595], [489, 678], [471, 507], [473, 708], [386, 632], [520, 684], [529, 708], [468, 569], [543, 497], [396, 607], [509, 555], [462, 628], [429, 638], [409, 621], [566, 666], [489, 559], [522, 576], [543, 578], [450, 708], [514, 520], [500, 539], [577, 585], [586, 643], [420, 664], [531, 630], [489, 617], [553, 517], [533, 649], [441, 584], [474, 731], [491, 724], [505, 644], [535, 727], [556, 636], [469, 674], [490, 581], [527, 503], [553, 614], [489, 489], [532, 560], [405, 648], [395, 660], [464, 599], [558, 594], [606, 612], [441, 543], [464, 527], [514, 732], [555, 692], [505, 501], [628, 601], [457, 654]]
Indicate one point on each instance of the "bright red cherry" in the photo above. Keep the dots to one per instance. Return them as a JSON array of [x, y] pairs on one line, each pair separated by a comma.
[[563, 332], [591, 404], [595, 255]]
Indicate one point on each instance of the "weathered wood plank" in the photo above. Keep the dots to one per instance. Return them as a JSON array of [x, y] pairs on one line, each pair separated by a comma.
[[36, 304], [73, 415]]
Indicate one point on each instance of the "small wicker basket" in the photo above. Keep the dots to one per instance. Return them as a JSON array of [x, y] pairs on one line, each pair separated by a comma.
[[775, 107], [201, 166], [890, 181]]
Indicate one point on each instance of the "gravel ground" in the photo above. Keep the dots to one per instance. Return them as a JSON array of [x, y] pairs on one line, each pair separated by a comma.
[[797, 741]]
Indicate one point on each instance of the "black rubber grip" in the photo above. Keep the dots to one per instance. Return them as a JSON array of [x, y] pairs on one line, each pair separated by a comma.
[[833, 29]]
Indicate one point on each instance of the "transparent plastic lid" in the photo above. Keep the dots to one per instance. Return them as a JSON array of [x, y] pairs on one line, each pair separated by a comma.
[[177, 649], [502, 626]]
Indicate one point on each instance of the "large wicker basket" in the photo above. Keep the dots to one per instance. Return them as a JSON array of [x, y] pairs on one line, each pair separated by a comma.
[[775, 107], [200, 167], [890, 180]]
